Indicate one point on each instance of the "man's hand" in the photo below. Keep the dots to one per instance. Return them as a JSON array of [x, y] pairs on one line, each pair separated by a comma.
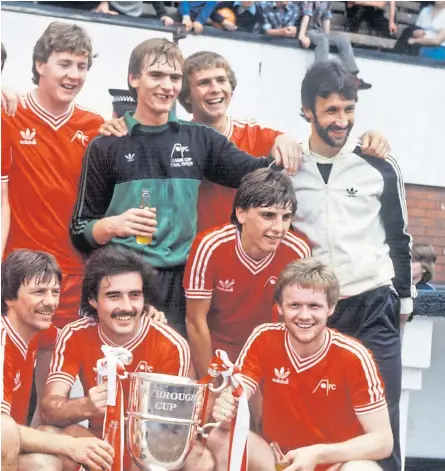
[[11, 100], [97, 400], [228, 25], [197, 27], [225, 408], [287, 152], [290, 31], [104, 7], [375, 145], [392, 27], [114, 127], [135, 222], [305, 42], [303, 459], [167, 20], [156, 315], [91, 452], [187, 22]]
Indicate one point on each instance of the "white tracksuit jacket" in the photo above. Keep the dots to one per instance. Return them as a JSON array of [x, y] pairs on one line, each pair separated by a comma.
[[357, 221]]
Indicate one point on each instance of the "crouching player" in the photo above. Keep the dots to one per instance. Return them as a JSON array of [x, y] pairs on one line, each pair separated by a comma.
[[324, 401], [117, 291]]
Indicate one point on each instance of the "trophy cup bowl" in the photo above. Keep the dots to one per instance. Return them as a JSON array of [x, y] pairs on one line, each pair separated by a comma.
[[163, 418]]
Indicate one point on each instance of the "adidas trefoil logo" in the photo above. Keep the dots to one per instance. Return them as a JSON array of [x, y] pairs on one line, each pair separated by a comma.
[[225, 285], [281, 375], [130, 157], [28, 137], [17, 382], [351, 192]]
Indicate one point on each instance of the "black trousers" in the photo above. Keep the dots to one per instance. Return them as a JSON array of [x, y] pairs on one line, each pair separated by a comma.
[[373, 318], [373, 17], [402, 46], [172, 297]]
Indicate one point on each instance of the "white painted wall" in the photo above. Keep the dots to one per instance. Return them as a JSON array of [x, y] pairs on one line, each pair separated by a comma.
[[426, 418], [406, 102]]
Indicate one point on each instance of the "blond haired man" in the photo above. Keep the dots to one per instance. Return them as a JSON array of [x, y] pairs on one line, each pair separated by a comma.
[[324, 401]]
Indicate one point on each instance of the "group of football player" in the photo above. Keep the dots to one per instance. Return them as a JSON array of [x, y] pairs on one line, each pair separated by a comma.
[[292, 257]]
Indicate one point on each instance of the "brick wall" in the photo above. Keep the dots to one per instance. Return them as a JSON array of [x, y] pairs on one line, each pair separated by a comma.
[[426, 213]]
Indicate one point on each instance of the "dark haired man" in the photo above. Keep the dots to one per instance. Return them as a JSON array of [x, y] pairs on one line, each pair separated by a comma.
[[118, 288], [232, 269], [166, 156], [353, 208], [30, 296]]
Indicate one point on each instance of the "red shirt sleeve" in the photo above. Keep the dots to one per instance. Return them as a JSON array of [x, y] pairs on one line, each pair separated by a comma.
[[6, 151], [65, 363], [172, 353], [252, 358], [200, 267], [365, 382], [8, 379]]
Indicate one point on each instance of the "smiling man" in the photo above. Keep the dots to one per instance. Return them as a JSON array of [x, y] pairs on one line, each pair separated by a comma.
[[118, 288], [232, 270], [30, 295], [47, 143], [324, 401], [165, 156], [353, 208]]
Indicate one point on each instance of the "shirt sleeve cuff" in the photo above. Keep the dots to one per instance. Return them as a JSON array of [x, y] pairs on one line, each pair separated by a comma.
[[88, 234], [406, 305]]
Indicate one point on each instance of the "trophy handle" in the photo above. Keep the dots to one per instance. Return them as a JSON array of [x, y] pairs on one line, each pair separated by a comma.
[[210, 425], [221, 387]]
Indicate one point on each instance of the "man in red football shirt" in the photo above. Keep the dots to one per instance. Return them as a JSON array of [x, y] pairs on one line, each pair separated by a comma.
[[324, 400], [232, 269], [117, 290], [47, 141], [30, 295], [207, 89]]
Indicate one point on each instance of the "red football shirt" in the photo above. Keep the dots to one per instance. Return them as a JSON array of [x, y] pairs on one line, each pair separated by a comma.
[[156, 348], [311, 400], [18, 367], [5, 156], [215, 201], [46, 161], [240, 287]]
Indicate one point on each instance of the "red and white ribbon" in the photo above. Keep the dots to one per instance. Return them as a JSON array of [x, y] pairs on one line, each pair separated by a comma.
[[239, 430], [112, 367]]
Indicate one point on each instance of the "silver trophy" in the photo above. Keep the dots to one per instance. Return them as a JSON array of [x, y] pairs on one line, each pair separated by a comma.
[[164, 417]]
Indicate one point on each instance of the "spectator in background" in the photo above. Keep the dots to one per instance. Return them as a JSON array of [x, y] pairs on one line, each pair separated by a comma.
[[195, 14], [374, 15], [424, 259], [248, 16], [281, 19], [429, 31], [315, 29], [134, 9]]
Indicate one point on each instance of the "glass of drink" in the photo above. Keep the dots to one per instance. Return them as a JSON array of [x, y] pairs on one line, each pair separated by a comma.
[[281, 462]]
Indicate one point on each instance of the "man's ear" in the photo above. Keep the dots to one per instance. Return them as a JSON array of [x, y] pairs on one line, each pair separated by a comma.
[[307, 114], [240, 215], [331, 310], [133, 81], [93, 303]]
